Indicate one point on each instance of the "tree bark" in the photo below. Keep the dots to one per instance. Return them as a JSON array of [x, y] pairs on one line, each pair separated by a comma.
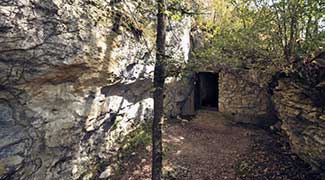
[[159, 81]]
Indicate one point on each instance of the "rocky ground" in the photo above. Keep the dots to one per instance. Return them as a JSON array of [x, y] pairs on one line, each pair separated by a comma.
[[211, 148]]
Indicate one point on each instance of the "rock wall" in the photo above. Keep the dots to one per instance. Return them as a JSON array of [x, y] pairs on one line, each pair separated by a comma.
[[75, 77], [302, 120], [244, 95]]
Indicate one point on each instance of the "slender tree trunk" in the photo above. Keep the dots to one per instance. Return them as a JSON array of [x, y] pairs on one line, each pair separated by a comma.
[[292, 30], [159, 81]]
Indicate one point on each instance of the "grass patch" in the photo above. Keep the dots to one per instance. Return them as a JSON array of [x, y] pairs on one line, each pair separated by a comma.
[[132, 150], [139, 138]]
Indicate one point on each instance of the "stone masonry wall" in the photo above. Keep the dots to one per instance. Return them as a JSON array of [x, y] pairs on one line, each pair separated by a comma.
[[296, 106], [241, 95]]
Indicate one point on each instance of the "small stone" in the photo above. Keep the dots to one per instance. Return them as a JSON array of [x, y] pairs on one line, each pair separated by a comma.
[[322, 117], [311, 116], [107, 173]]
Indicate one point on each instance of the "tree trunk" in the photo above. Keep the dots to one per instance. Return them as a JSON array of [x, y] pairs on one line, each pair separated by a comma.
[[159, 81], [292, 29]]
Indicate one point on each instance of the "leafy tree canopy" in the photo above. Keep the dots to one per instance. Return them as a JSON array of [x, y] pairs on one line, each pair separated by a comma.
[[264, 34]]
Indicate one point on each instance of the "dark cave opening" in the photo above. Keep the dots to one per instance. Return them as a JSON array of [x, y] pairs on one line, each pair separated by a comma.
[[206, 91]]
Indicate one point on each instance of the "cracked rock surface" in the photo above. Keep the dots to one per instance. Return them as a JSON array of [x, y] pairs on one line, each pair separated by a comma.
[[75, 77]]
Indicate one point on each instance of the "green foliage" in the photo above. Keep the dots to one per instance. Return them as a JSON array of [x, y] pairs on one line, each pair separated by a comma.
[[176, 9], [260, 34], [141, 137]]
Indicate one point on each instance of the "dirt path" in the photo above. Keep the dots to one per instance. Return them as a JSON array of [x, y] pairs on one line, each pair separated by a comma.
[[206, 146], [210, 148]]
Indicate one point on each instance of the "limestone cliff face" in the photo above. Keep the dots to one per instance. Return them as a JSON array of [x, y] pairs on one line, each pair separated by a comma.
[[75, 76], [303, 121]]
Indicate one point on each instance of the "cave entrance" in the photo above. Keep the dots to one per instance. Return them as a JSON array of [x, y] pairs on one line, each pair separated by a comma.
[[206, 91]]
